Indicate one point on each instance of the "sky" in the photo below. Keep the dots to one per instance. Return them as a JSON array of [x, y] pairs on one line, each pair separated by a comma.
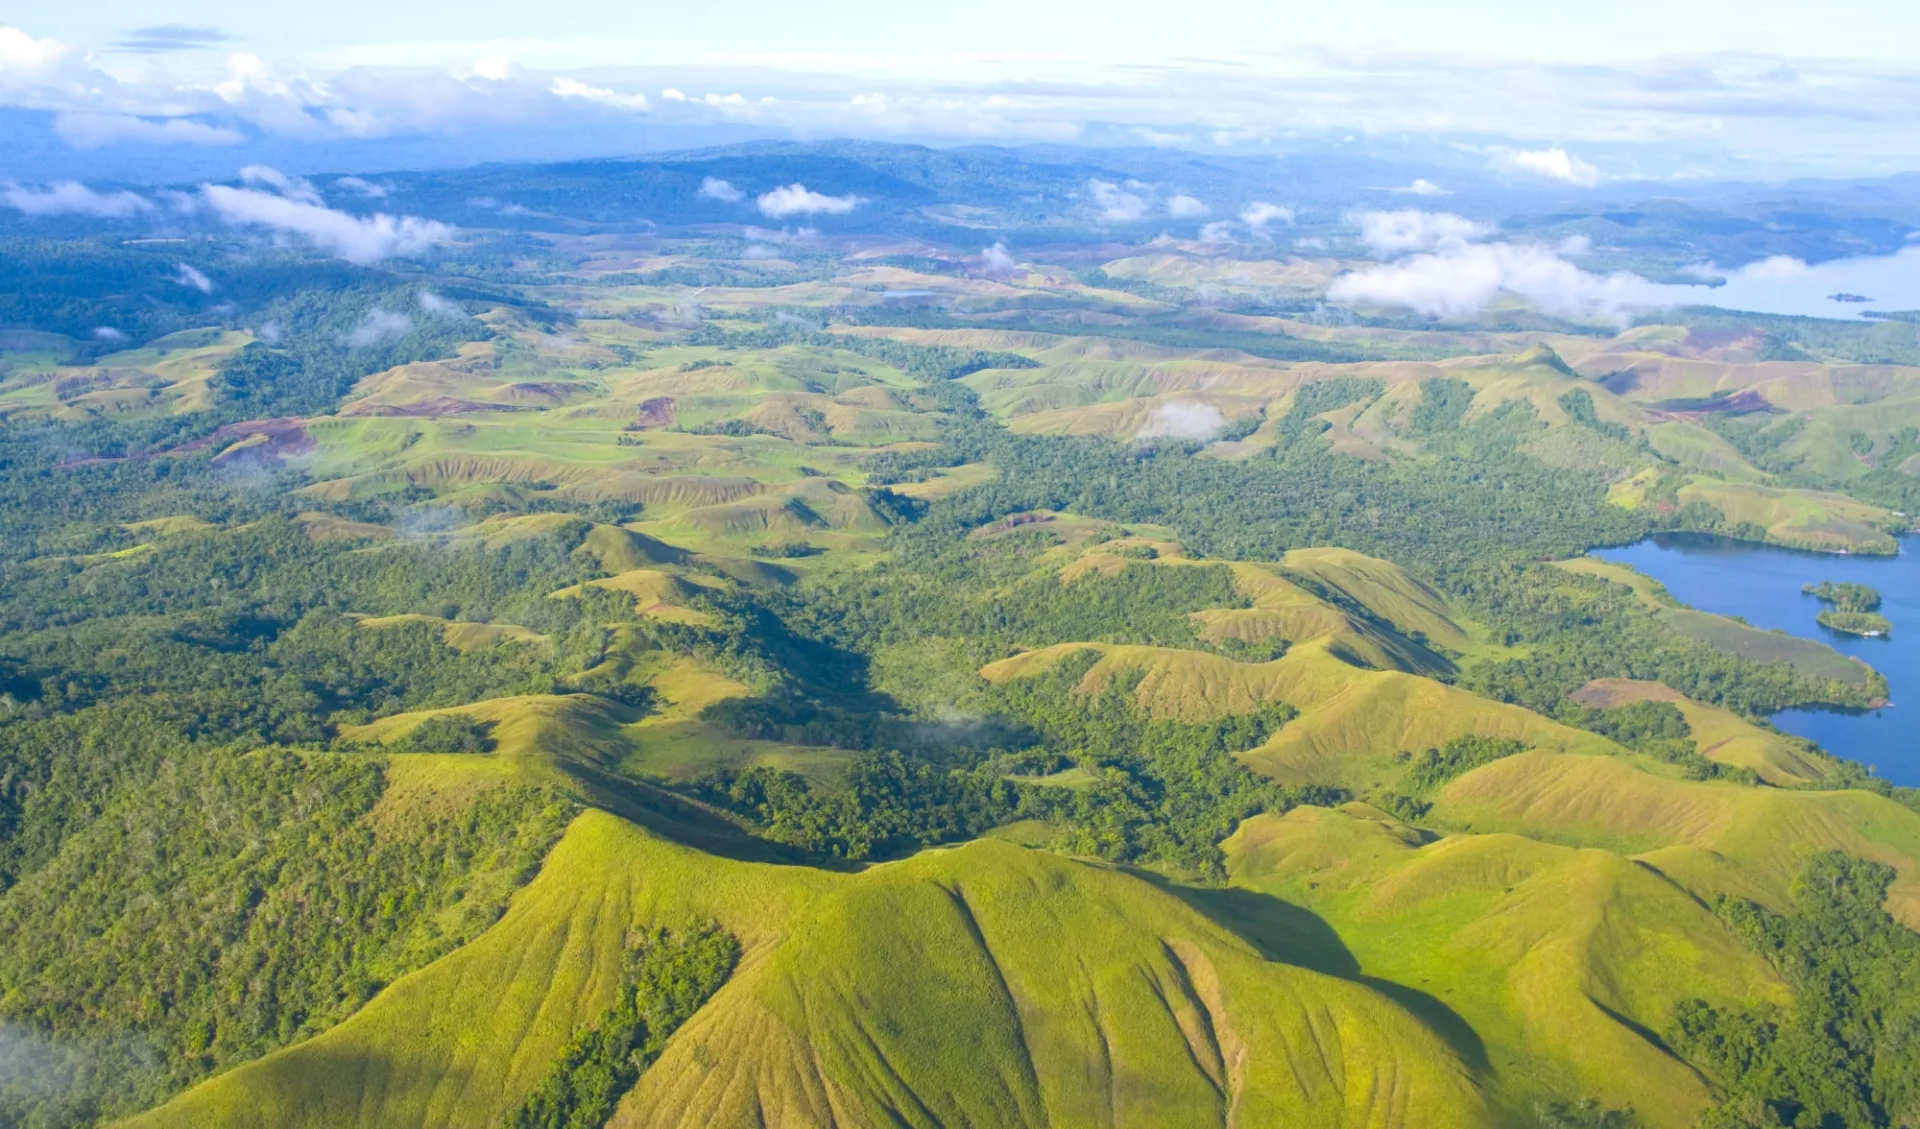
[[1633, 89]]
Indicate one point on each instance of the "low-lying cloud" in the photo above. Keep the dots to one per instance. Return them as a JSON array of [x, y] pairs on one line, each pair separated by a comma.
[[597, 95], [85, 130], [1185, 207], [187, 276], [1397, 232], [436, 306], [713, 188], [1183, 419], [292, 187], [1116, 204], [1462, 279], [997, 262], [365, 188], [1554, 164], [357, 239], [797, 200], [1259, 214], [377, 327], [73, 198]]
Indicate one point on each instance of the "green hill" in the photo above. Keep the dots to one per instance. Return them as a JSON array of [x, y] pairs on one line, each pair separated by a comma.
[[984, 985]]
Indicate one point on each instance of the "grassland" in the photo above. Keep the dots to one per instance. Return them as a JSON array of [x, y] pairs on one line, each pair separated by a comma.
[[1560, 961], [1070, 994]]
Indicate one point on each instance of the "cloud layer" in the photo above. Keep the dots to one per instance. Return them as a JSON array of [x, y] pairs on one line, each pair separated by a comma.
[[1673, 115], [72, 198], [1394, 233], [357, 239]]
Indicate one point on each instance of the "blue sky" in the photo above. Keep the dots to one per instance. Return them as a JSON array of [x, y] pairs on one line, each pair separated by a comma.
[[1635, 88]]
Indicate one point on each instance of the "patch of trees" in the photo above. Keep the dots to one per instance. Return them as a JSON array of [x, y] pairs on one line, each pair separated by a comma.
[[1846, 1053], [1149, 789], [1578, 628], [667, 976]]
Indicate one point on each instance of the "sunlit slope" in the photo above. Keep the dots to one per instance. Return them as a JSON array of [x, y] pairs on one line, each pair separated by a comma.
[[1561, 961], [984, 985], [1709, 837], [1352, 721]]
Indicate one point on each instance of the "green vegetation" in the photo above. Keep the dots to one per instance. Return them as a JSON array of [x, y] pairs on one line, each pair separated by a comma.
[[1855, 623], [231, 904], [1847, 597], [1457, 757], [1844, 1053], [479, 695], [668, 976], [1853, 609]]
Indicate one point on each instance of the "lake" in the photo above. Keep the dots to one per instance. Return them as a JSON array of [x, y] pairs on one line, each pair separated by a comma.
[[1762, 585], [1788, 286]]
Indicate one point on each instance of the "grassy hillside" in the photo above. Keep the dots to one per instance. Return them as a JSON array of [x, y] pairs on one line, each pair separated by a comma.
[[1068, 994], [1560, 961]]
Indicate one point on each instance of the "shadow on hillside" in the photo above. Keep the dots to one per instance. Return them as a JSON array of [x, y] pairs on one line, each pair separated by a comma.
[[1281, 930], [1289, 934], [686, 821]]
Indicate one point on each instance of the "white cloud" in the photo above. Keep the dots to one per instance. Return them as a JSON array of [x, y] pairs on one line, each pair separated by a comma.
[[598, 95], [292, 187], [1116, 204], [796, 200], [1422, 187], [20, 52], [96, 131], [1183, 419], [713, 188], [997, 262], [672, 95], [377, 327], [1393, 233], [73, 198], [185, 275], [356, 239], [439, 307], [1775, 268], [1219, 231], [108, 333], [365, 188], [1185, 207], [1574, 246], [1462, 279], [1259, 214], [1554, 164]]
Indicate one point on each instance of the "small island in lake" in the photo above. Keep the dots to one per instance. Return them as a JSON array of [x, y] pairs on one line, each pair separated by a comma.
[[1855, 608]]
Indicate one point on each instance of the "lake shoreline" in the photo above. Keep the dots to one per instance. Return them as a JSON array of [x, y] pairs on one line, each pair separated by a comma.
[[1762, 584]]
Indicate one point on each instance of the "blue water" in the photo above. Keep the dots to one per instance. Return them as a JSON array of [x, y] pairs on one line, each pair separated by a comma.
[[1762, 585]]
